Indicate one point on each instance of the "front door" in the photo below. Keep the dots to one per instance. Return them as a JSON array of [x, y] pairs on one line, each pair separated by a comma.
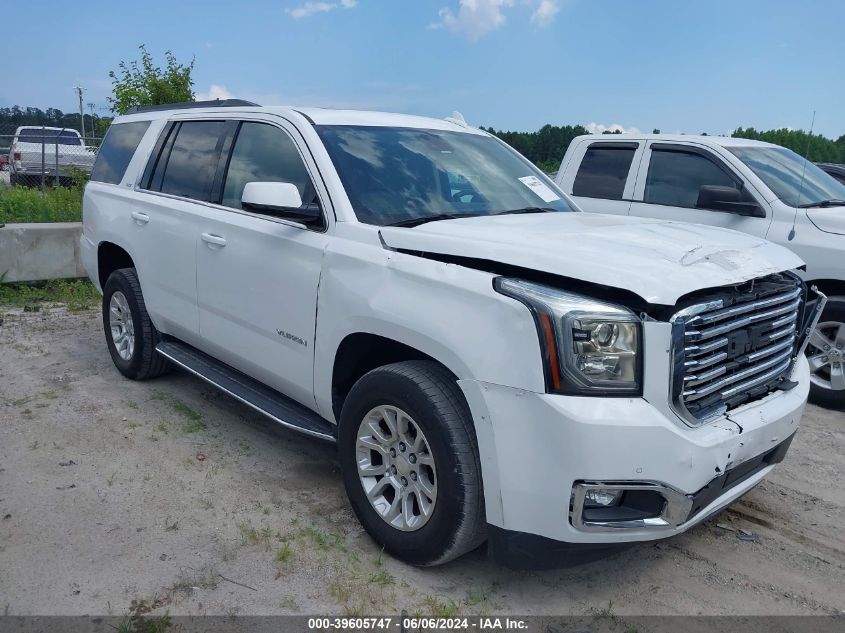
[[257, 275], [669, 183]]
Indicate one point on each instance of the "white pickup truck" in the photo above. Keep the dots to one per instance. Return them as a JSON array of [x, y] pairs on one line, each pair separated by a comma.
[[491, 362], [750, 186], [51, 151]]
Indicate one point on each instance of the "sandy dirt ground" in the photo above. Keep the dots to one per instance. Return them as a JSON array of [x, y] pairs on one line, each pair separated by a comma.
[[170, 494]]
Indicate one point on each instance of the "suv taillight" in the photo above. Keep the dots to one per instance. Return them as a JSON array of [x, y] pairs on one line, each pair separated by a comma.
[[16, 156]]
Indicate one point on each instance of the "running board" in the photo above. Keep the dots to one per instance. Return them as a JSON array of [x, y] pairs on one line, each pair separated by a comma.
[[260, 397]]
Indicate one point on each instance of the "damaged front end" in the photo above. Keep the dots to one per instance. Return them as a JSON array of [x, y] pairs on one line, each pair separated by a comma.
[[737, 345]]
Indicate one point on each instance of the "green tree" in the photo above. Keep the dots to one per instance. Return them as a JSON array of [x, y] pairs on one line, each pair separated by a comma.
[[143, 83]]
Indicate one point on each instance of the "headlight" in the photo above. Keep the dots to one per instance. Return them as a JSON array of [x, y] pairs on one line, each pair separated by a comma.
[[589, 347]]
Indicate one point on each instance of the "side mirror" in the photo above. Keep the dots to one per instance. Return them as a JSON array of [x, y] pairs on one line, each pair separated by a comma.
[[727, 199], [280, 199]]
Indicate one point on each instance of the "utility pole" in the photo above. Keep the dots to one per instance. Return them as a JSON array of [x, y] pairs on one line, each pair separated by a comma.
[[93, 126], [79, 90]]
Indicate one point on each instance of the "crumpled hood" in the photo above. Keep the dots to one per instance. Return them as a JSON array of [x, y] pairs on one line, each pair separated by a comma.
[[828, 219], [658, 260]]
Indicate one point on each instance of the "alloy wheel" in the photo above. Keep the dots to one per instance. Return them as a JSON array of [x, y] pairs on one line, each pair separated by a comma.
[[396, 468]]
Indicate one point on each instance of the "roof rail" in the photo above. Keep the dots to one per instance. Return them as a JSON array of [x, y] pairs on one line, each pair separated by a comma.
[[214, 103]]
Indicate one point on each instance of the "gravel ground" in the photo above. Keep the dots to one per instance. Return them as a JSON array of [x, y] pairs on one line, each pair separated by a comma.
[[173, 495]]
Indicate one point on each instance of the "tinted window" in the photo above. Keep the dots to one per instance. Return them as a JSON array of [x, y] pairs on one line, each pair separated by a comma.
[[51, 137], [674, 178], [116, 151], [603, 172], [396, 174], [264, 153], [192, 161]]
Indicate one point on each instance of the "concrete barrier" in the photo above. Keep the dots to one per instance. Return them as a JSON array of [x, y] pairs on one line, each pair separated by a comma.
[[34, 252]]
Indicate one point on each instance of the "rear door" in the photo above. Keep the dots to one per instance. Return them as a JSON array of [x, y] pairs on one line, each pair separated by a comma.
[[172, 199], [671, 177], [604, 179], [257, 275]]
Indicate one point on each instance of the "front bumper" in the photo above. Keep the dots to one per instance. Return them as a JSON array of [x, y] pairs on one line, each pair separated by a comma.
[[535, 447]]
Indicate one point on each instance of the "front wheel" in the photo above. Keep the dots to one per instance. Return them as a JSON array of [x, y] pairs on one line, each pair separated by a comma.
[[410, 464], [826, 354]]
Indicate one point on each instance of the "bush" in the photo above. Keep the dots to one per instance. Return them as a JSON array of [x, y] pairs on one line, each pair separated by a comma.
[[55, 204]]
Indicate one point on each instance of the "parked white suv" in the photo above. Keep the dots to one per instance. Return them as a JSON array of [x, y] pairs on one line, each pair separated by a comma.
[[735, 183], [491, 362]]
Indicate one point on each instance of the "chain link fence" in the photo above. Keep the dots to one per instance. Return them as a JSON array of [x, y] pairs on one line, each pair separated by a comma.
[[43, 156]]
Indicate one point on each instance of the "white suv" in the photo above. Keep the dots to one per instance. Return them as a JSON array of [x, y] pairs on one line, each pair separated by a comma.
[[491, 362], [750, 186]]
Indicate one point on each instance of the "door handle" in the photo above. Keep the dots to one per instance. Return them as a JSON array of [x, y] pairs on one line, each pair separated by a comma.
[[213, 240], [140, 218]]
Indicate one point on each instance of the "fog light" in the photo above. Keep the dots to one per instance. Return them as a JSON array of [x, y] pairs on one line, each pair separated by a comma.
[[601, 498]]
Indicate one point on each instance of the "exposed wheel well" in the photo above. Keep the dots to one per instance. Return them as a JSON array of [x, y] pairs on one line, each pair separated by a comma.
[[829, 286], [110, 257], [360, 353]]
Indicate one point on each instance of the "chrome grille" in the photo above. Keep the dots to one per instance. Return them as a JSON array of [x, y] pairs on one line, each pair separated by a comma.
[[735, 346]]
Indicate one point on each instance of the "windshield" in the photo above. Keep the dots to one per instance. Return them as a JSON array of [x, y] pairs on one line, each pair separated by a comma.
[[395, 175], [783, 171], [51, 137]]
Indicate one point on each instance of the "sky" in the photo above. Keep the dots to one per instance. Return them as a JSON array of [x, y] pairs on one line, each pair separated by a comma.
[[680, 66]]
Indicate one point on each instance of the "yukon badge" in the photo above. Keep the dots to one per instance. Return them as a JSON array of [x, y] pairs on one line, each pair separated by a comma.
[[292, 337]]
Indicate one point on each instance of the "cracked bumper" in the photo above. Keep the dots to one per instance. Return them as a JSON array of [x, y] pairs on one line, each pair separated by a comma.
[[534, 447]]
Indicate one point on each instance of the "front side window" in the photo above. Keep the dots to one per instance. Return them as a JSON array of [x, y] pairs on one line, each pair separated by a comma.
[[394, 174], [188, 164], [264, 153], [116, 151], [793, 179], [604, 171], [675, 178]]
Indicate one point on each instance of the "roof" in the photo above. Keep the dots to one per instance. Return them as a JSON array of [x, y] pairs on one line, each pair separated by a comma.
[[724, 141], [318, 116]]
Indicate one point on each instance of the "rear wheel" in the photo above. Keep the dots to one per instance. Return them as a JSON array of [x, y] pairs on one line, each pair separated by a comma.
[[826, 354], [410, 462], [130, 334]]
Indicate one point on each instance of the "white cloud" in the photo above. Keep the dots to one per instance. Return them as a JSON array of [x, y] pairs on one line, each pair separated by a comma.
[[310, 8], [214, 91], [475, 18], [601, 128], [545, 13]]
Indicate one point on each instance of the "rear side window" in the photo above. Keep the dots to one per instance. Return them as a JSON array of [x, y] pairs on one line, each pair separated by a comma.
[[264, 153], [675, 178], [603, 171], [188, 162], [117, 149]]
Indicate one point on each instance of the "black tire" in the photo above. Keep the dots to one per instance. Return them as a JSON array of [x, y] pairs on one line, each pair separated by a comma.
[[429, 393], [828, 398], [144, 362]]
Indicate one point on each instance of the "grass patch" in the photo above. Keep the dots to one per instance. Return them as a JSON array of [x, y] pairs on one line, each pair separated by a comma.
[[22, 204], [289, 603], [442, 609], [381, 578], [76, 294], [250, 535], [193, 420], [284, 553]]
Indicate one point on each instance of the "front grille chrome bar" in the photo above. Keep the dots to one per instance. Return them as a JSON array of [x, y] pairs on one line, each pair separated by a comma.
[[736, 347]]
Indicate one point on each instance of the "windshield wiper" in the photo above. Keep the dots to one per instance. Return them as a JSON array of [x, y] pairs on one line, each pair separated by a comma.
[[833, 202], [526, 210], [432, 218]]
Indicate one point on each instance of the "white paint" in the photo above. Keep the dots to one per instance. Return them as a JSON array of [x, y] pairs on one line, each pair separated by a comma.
[[278, 300]]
